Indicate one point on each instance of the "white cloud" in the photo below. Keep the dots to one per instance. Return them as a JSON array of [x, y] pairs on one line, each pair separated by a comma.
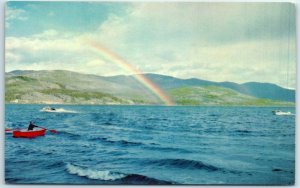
[[261, 61], [51, 50], [220, 42], [18, 14], [14, 14], [205, 41], [51, 33]]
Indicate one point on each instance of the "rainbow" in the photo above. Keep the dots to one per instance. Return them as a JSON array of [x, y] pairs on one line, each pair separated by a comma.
[[138, 75]]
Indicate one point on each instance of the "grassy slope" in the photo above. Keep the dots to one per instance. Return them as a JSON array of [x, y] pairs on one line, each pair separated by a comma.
[[29, 87], [213, 95], [26, 88], [62, 88]]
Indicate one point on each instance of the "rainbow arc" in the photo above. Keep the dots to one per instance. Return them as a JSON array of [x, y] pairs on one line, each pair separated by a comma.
[[138, 75]]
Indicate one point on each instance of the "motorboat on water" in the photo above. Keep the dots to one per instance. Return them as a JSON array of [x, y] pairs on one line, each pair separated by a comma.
[[48, 109], [281, 113]]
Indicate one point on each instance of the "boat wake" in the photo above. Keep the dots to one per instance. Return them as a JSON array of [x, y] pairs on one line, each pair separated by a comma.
[[116, 177], [61, 110], [58, 110], [281, 113], [285, 114]]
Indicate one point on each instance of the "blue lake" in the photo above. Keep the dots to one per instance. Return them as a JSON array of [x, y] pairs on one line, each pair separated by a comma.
[[151, 145]]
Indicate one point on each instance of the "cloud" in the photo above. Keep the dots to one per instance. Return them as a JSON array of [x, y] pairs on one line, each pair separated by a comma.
[[206, 23], [222, 42], [51, 50], [51, 33], [12, 14], [237, 42], [261, 61]]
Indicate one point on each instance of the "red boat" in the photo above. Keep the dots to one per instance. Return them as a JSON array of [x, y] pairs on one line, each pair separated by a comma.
[[24, 133]]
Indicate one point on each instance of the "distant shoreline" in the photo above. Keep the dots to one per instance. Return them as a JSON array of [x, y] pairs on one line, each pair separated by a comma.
[[70, 104], [65, 87]]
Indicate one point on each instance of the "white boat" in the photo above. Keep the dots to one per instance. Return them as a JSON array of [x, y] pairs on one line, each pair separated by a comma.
[[281, 113], [48, 109]]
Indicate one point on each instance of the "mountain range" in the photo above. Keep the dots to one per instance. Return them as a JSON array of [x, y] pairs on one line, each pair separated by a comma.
[[66, 87]]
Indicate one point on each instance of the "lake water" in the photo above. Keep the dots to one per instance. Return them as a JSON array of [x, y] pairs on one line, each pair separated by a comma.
[[151, 145]]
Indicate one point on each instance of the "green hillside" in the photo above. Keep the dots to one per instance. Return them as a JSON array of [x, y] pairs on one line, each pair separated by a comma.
[[213, 95], [25, 89], [65, 87]]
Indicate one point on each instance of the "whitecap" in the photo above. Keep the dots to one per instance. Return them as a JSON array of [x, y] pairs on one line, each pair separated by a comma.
[[94, 174]]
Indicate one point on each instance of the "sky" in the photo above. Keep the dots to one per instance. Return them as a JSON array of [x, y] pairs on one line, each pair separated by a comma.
[[238, 42]]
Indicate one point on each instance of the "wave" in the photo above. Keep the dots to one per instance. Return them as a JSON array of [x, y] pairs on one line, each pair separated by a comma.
[[243, 131], [108, 123], [12, 180], [116, 177], [118, 142], [140, 179], [190, 164], [184, 163], [156, 119], [214, 115], [126, 143], [155, 146], [94, 174], [70, 135], [55, 165]]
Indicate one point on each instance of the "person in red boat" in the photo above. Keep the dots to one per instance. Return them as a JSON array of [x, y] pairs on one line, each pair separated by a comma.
[[31, 126]]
